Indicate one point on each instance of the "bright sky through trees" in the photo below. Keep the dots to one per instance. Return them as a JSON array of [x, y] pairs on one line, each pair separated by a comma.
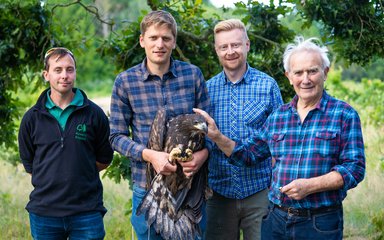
[[230, 3]]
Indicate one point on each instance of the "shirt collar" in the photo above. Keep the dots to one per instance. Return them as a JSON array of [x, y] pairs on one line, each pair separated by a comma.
[[147, 76], [320, 106], [244, 78], [77, 100]]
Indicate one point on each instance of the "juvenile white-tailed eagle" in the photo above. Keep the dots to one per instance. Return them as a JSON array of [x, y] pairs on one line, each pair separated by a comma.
[[173, 203]]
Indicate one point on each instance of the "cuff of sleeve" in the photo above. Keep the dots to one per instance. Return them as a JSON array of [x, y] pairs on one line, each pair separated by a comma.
[[139, 152], [235, 158], [349, 180], [27, 167]]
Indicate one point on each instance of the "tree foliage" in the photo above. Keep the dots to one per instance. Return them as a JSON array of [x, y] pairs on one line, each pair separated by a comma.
[[23, 36], [353, 29]]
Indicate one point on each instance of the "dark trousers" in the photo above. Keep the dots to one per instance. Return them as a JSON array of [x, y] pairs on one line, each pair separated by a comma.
[[225, 216]]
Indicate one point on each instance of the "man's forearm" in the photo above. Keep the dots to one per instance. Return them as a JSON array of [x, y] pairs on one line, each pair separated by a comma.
[[327, 182], [225, 144]]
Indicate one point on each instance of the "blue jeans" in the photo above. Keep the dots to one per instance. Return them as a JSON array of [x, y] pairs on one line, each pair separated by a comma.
[[281, 225], [77, 227], [138, 222]]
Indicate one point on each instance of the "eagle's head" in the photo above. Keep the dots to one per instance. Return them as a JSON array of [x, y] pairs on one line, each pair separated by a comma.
[[190, 124], [195, 124]]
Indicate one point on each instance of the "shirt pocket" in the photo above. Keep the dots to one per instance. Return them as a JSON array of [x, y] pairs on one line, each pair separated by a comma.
[[278, 145], [326, 144], [254, 112]]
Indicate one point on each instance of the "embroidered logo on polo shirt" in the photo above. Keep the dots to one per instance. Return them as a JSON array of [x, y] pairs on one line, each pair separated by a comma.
[[81, 132]]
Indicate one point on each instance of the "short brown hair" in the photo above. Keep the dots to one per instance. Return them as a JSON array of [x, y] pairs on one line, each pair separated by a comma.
[[56, 51], [158, 18], [230, 24]]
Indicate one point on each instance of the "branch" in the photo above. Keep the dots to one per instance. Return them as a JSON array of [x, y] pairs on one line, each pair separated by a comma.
[[182, 56], [152, 5], [203, 36], [130, 50], [91, 9], [263, 39]]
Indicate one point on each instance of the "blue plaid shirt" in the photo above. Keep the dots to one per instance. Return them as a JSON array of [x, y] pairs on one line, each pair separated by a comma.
[[136, 97], [239, 109], [329, 139]]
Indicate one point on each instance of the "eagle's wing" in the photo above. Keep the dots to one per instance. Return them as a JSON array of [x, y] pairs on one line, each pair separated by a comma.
[[156, 140], [158, 131]]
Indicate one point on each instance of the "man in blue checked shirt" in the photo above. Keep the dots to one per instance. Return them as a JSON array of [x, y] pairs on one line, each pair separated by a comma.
[[241, 99], [159, 81], [317, 146]]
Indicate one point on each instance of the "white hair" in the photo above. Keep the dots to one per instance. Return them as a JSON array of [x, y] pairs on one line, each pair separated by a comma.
[[305, 45]]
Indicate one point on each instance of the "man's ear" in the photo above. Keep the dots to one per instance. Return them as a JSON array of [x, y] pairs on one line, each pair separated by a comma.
[[287, 75], [326, 70], [45, 75], [141, 40]]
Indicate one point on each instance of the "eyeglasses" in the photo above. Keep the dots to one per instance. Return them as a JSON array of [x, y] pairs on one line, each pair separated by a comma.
[[234, 46], [50, 51]]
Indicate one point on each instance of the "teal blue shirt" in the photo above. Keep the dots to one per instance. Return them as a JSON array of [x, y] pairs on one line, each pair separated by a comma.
[[62, 115]]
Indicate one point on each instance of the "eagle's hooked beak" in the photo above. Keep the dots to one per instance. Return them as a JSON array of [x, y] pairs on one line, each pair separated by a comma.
[[203, 127]]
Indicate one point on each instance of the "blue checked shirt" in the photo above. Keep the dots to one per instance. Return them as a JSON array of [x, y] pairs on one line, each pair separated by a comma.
[[329, 139], [239, 109], [136, 97]]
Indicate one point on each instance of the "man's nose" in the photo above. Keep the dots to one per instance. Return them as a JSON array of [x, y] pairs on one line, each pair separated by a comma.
[[305, 77], [230, 50], [64, 74], [159, 43]]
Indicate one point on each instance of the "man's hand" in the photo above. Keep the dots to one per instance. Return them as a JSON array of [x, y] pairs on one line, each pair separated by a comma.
[[302, 187], [213, 131], [198, 159], [297, 189], [224, 143], [159, 161]]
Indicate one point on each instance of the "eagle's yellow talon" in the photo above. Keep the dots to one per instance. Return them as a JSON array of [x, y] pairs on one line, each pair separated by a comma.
[[188, 155], [174, 155]]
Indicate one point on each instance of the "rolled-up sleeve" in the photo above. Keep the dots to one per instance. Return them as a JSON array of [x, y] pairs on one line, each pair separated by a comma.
[[250, 152], [352, 157]]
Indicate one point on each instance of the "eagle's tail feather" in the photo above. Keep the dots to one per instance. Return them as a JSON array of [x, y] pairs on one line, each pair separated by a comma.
[[159, 207]]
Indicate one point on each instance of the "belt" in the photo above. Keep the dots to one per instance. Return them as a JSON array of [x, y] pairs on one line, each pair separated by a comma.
[[304, 212]]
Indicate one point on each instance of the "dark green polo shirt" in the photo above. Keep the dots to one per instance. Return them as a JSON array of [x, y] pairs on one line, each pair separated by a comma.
[[62, 115]]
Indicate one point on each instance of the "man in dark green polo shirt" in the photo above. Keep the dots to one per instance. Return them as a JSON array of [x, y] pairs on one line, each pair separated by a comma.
[[63, 144]]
